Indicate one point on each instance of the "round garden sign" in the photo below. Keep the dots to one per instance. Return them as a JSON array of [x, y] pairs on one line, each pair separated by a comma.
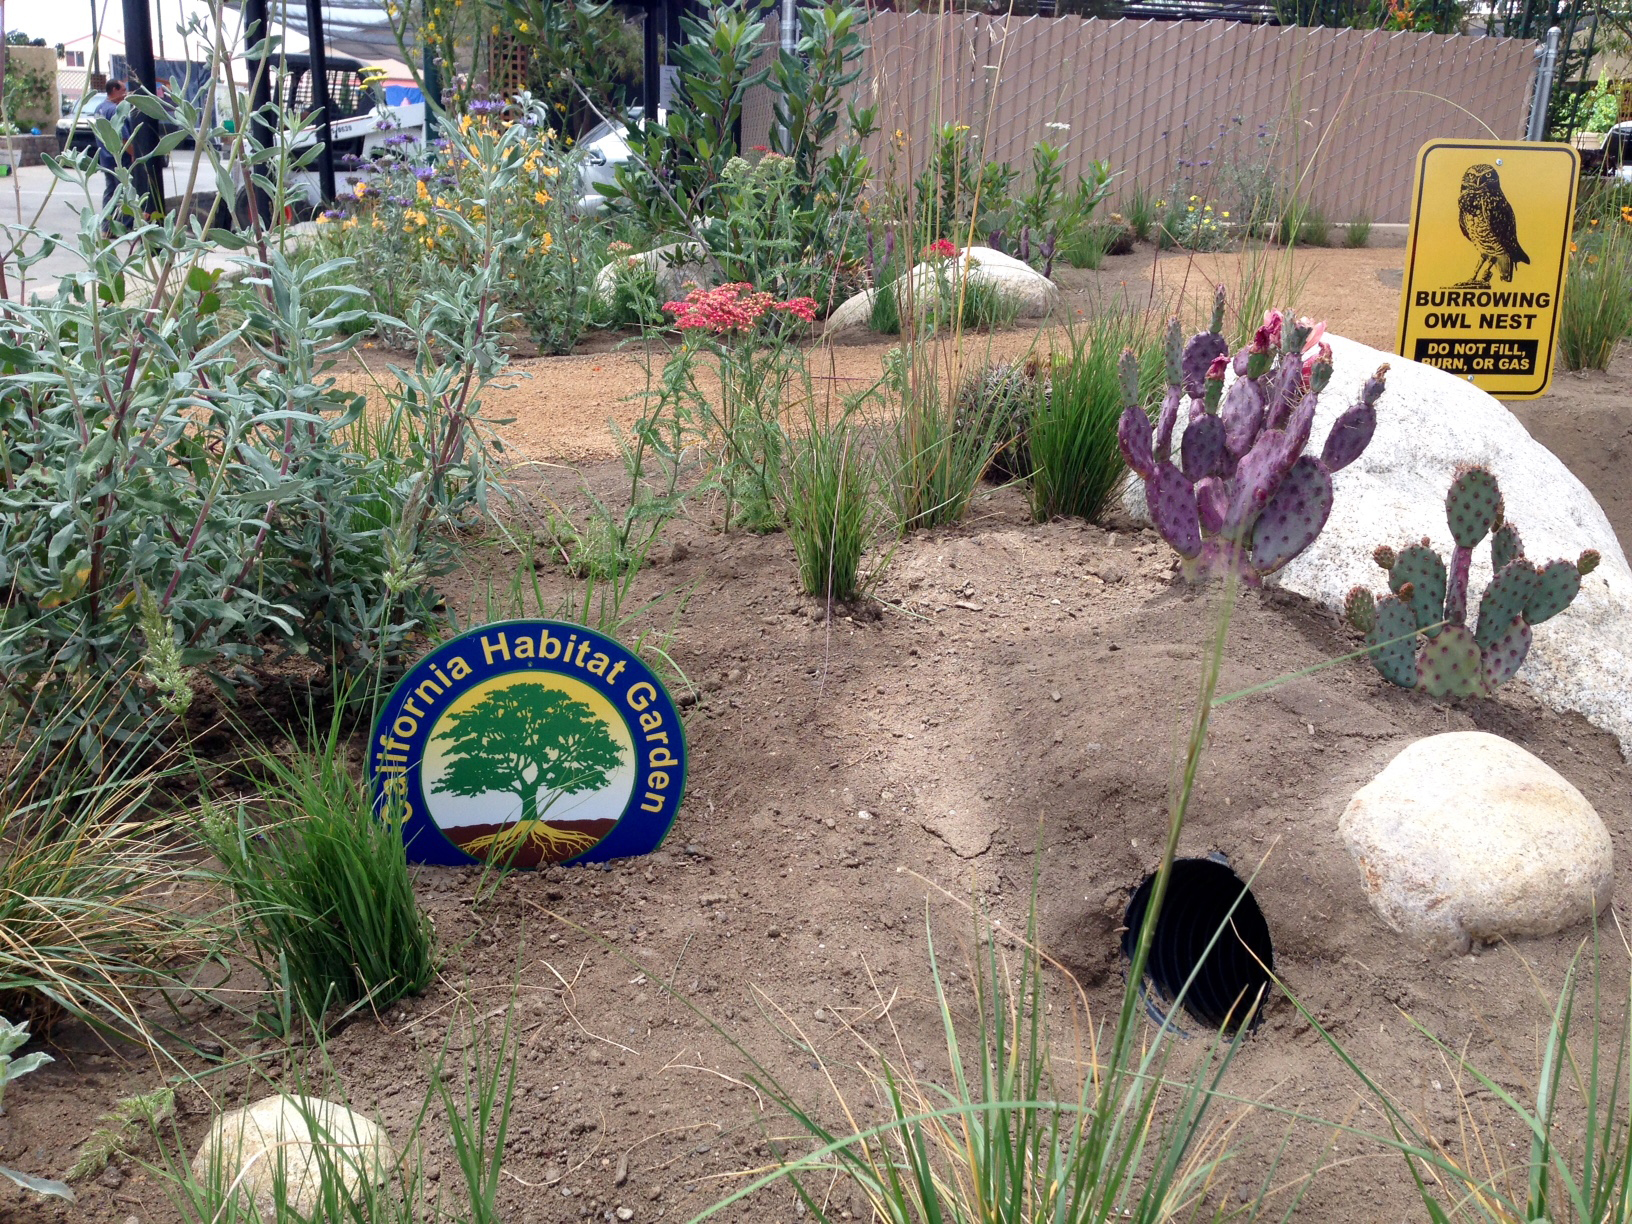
[[525, 743]]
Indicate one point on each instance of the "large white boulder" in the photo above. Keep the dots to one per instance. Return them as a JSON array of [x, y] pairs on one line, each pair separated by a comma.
[[1429, 423], [1467, 836], [281, 1137], [679, 267], [1035, 294]]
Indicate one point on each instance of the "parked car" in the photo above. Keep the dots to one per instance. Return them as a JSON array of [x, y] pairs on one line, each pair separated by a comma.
[[1615, 158], [74, 129], [599, 153]]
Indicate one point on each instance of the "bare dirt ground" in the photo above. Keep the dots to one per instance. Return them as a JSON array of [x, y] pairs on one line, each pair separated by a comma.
[[1013, 703]]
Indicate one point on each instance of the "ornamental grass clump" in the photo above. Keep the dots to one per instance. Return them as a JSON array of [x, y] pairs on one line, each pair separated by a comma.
[[1243, 497], [324, 898]]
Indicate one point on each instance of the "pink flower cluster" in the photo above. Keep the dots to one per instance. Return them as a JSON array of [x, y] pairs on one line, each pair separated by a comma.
[[941, 248], [733, 308]]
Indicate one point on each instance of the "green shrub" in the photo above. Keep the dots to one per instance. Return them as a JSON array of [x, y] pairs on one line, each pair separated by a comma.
[[948, 302], [325, 899], [1358, 231], [1074, 450]]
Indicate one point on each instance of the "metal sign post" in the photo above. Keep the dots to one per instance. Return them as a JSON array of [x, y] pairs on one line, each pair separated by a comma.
[[1546, 65]]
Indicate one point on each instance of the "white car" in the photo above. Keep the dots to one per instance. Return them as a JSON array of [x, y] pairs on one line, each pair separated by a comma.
[[599, 152]]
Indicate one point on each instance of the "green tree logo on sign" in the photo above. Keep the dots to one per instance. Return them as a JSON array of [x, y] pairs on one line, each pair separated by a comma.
[[536, 742]]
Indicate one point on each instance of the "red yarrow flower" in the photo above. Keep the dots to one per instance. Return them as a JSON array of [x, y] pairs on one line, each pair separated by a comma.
[[732, 308], [941, 248]]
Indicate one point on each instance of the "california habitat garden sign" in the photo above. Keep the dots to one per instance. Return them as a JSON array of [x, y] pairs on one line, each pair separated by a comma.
[[525, 743]]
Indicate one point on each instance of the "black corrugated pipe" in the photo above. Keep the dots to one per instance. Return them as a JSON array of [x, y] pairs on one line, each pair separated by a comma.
[[1233, 977]]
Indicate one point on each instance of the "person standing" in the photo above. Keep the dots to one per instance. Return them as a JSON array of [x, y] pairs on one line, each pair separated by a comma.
[[111, 159]]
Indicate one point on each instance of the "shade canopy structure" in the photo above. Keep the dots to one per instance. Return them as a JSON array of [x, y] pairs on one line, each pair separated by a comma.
[[351, 27]]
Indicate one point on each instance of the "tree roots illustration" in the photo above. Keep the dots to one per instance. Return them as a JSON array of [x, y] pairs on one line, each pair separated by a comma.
[[553, 844]]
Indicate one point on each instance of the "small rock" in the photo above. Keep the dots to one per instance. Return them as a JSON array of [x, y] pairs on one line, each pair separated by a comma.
[[110, 1177], [624, 1213], [774, 933], [1054, 696], [130, 1219], [679, 551], [237, 1150], [1467, 836]]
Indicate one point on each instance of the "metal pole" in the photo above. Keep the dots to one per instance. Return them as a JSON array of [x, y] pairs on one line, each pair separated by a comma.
[[144, 133], [320, 97], [1546, 64], [651, 75], [430, 75], [788, 31], [256, 30], [96, 65]]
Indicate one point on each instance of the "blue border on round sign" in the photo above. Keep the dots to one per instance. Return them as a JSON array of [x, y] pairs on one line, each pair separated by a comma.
[[394, 758]]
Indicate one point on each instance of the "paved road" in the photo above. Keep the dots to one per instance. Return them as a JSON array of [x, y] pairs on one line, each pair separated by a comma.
[[35, 191]]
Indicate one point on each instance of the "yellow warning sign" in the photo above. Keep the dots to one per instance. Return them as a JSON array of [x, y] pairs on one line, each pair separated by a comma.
[[1490, 237]]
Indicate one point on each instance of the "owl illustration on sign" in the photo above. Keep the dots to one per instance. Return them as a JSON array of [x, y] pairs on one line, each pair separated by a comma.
[[1487, 221]]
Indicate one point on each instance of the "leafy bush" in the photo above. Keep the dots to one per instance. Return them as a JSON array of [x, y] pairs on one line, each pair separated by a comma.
[[1192, 223], [399, 226], [186, 441], [1596, 313], [324, 895]]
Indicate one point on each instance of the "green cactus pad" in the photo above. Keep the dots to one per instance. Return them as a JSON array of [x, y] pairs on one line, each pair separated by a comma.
[[1128, 371], [1505, 547], [1451, 665], [1173, 349], [1472, 506], [1294, 515], [1360, 609], [1556, 585], [1425, 571], [1504, 599], [1504, 656], [1392, 638], [1384, 556], [1588, 561]]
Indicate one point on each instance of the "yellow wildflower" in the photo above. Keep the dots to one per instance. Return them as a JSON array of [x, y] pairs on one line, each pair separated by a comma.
[[349, 223], [542, 197], [547, 241], [359, 189], [322, 220], [415, 218], [422, 191], [522, 26], [464, 124], [551, 171]]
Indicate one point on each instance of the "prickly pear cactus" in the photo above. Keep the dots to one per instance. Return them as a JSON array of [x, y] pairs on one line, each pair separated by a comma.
[[1430, 600], [1241, 496]]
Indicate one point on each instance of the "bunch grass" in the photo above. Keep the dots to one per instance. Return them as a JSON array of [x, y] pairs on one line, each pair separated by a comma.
[[831, 505], [92, 889], [324, 898], [1596, 313], [1075, 461]]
